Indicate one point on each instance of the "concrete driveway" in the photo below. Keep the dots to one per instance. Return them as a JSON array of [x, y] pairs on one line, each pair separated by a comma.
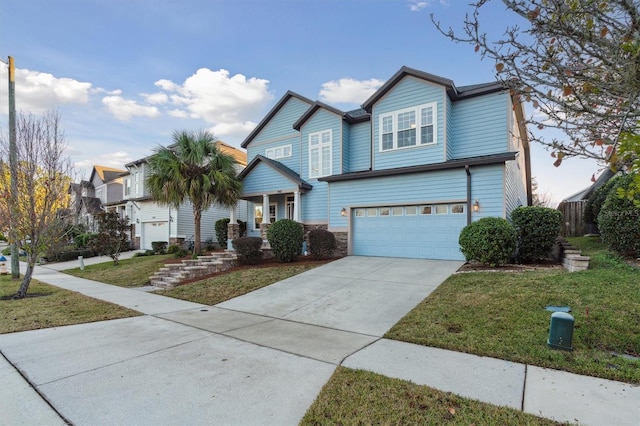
[[261, 358]]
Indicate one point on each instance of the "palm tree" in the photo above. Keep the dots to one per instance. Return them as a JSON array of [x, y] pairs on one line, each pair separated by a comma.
[[193, 169]]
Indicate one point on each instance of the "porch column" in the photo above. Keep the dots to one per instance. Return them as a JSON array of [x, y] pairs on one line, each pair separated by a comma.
[[233, 229], [296, 206], [266, 217]]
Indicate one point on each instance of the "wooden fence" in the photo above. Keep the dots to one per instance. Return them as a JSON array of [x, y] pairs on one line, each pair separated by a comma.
[[572, 224]]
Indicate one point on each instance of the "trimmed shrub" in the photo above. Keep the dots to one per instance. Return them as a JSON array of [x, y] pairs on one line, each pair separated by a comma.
[[322, 243], [65, 256], [159, 247], [248, 249], [619, 220], [490, 240], [285, 237], [83, 240], [222, 228], [537, 229], [173, 249], [596, 200]]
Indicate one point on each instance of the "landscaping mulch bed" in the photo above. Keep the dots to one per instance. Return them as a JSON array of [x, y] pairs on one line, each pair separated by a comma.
[[473, 266]]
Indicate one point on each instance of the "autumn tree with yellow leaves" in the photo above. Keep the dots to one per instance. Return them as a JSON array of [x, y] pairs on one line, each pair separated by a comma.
[[33, 218]]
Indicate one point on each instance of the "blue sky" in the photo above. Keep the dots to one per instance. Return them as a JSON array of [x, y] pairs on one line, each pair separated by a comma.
[[125, 74]]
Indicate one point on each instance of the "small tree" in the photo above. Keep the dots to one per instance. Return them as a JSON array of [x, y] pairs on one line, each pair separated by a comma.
[[112, 237], [222, 231], [321, 243], [285, 237], [43, 178]]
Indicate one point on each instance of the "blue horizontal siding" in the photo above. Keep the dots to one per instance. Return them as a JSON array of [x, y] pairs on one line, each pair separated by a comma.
[[408, 93], [292, 162], [264, 179], [344, 143], [480, 126], [314, 203], [487, 186], [360, 147], [282, 123]]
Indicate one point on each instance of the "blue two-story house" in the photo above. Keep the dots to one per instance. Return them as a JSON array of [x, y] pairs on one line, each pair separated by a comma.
[[399, 177]]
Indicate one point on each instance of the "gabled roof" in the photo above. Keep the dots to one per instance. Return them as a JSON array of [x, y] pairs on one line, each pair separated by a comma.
[[585, 193], [453, 92], [272, 113], [355, 116], [92, 205], [278, 167], [106, 174]]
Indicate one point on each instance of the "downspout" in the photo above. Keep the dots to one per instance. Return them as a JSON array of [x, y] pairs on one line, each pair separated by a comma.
[[466, 169]]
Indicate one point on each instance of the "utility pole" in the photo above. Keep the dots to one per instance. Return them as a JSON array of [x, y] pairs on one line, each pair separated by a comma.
[[13, 167]]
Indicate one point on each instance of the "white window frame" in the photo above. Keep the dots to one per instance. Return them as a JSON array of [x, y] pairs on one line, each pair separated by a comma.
[[274, 217], [318, 171], [388, 124], [283, 151], [127, 186]]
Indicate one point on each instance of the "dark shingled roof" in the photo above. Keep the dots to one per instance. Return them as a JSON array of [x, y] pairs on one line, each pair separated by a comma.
[[93, 205]]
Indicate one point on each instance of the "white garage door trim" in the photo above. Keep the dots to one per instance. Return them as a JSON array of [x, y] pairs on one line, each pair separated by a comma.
[[154, 231]]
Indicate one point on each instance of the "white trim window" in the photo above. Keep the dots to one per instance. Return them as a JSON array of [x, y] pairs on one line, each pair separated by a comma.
[[320, 153], [257, 215], [277, 152], [409, 127]]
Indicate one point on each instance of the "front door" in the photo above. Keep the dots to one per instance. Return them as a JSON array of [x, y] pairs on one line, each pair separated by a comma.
[[289, 207]]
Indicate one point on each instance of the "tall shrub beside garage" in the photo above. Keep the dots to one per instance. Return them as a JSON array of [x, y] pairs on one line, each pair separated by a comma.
[[619, 219], [285, 238], [490, 240], [537, 228]]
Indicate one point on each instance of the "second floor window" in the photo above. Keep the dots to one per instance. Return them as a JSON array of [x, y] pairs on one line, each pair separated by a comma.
[[137, 182], [408, 127], [278, 152], [320, 154], [127, 186]]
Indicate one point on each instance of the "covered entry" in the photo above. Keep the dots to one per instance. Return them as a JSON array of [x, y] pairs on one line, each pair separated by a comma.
[[427, 231]]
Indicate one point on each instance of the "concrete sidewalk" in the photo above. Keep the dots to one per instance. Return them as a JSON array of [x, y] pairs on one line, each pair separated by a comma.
[[262, 358]]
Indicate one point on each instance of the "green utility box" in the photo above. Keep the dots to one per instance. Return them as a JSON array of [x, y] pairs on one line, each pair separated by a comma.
[[561, 331]]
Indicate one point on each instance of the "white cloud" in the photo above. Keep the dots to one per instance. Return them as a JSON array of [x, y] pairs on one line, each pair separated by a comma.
[[37, 92], [156, 98], [348, 90], [417, 6], [239, 130], [229, 103], [116, 160], [124, 109]]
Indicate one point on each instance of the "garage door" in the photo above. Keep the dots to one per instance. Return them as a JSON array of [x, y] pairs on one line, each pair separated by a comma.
[[154, 231], [423, 231]]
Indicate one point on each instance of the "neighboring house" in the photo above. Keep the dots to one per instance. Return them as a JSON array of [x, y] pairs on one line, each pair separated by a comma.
[[399, 177], [153, 222], [103, 191], [572, 208]]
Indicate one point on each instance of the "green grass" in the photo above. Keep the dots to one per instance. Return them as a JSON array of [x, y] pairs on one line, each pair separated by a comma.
[[355, 397], [502, 315], [134, 272], [223, 287], [48, 306]]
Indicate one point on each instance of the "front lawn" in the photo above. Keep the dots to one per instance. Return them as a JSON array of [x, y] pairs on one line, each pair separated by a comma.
[[49, 306], [134, 272], [356, 397], [220, 288], [502, 315]]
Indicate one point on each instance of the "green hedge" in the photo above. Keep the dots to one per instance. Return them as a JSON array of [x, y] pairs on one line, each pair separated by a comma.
[[537, 230], [249, 249], [322, 243], [490, 240], [619, 220], [285, 237]]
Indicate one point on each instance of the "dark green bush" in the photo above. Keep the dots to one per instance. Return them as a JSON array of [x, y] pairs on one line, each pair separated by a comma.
[[322, 243], [243, 228], [7, 251], [285, 237], [490, 240], [173, 249], [222, 228], [83, 240], [619, 220], [159, 247], [65, 256], [248, 249], [596, 200], [537, 229]]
